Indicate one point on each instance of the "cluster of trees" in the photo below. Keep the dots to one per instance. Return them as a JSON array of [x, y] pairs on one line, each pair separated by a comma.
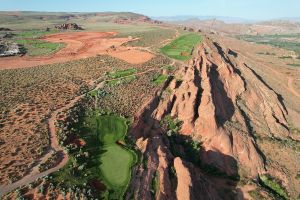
[[66, 129]]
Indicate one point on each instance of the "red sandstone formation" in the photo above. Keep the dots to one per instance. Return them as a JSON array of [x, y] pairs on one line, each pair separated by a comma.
[[223, 103]]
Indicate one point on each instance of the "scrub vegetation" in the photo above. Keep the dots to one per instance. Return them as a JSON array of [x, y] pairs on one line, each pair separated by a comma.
[[273, 186]]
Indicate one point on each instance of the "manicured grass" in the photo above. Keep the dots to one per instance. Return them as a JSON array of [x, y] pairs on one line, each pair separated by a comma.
[[182, 47], [35, 47], [32, 34], [116, 161], [109, 129], [115, 165], [122, 73], [119, 81], [109, 160], [160, 79]]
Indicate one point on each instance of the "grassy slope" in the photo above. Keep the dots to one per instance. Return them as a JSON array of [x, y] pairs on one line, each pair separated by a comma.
[[182, 47]]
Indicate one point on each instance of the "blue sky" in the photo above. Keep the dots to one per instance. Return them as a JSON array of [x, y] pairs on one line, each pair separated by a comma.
[[247, 9]]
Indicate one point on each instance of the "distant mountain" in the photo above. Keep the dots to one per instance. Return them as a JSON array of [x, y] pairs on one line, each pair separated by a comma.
[[63, 17], [228, 20], [290, 19], [188, 17], [254, 28]]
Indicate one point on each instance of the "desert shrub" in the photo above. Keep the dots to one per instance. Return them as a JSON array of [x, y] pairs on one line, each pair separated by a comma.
[[298, 175], [191, 148], [155, 184], [273, 185]]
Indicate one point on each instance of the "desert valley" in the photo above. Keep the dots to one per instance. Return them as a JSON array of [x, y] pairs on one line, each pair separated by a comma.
[[117, 105]]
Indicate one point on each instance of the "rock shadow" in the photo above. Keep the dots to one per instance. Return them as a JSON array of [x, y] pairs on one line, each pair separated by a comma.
[[210, 180], [224, 107]]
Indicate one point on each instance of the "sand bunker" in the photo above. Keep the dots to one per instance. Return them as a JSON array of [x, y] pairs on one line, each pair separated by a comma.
[[80, 45]]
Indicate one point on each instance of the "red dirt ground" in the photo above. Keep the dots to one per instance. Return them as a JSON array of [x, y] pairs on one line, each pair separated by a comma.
[[131, 55], [79, 45]]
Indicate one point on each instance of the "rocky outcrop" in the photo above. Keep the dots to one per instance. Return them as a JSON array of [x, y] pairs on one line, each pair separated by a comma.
[[9, 49], [185, 184], [221, 103], [224, 102], [69, 26]]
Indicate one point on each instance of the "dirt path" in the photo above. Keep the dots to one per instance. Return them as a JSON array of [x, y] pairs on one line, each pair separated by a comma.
[[79, 45], [164, 42], [54, 145]]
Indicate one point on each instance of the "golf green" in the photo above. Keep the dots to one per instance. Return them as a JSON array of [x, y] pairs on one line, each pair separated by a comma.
[[182, 47], [116, 161], [115, 165]]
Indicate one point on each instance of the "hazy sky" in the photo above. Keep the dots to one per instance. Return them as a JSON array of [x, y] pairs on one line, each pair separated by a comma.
[[248, 9]]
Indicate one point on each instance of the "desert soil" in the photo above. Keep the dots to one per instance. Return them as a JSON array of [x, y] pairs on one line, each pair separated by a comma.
[[34, 174], [80, 45]]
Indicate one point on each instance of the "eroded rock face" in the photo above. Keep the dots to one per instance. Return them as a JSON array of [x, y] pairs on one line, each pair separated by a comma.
[[185, 184], [222, 102]]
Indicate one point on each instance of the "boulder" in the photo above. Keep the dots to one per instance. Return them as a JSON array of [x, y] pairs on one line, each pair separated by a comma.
[[9, 49]]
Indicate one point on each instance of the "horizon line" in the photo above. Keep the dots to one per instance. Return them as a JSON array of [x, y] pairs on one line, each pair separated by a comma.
[[180, 15]]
